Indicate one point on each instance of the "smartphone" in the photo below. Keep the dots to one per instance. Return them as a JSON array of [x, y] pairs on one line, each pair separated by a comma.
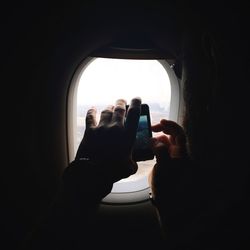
[[142, 150]]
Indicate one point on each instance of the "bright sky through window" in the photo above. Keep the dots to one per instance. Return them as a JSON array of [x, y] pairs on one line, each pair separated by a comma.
[[105, 80]]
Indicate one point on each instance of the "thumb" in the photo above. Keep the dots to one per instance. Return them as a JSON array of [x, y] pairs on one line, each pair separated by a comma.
[[161, 152]]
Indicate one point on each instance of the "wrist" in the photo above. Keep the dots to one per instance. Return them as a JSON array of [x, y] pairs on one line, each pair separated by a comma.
[[86, 179]]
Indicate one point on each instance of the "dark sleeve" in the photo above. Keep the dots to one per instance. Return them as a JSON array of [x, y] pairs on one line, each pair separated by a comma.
[[191, 206], [70, 223], [178, 204]]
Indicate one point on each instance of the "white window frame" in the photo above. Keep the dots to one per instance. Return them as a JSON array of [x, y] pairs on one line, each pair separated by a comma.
[[122, 194]]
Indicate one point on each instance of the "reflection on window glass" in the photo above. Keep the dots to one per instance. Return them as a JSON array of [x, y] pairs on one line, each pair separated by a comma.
[[106, 80]]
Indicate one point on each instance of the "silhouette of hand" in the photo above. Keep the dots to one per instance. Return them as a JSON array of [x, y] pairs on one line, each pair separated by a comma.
[[170, 150], [108, 145], [171, 146]]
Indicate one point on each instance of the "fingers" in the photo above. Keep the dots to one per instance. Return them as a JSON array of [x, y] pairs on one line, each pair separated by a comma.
[[157, 128], [119, 112], [133, 115], [91, 118], [176, 132], [171, 127], [106, 115], [159, 144], [114, 114], [160, 148], [162, 138]]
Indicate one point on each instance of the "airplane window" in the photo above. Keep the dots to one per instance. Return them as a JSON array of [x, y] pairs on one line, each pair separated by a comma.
[[103, 80]]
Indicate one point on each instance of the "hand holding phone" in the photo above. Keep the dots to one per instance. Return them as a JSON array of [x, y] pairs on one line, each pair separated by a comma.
[[142, 149]]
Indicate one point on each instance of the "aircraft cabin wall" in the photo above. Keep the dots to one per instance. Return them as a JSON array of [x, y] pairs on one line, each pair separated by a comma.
[[44, 48]]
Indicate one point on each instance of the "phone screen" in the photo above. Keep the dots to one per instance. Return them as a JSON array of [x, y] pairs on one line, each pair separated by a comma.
[[142, 148], [143, 135]]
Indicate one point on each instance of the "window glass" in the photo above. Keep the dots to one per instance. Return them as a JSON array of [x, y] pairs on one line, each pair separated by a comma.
[[105, 80]]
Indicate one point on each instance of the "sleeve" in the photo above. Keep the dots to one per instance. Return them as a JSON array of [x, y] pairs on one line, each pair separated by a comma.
[[187, 205], [71, 220], [177, 202]]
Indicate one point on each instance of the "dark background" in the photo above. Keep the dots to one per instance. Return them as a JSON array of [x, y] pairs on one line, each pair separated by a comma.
[[41, 45]]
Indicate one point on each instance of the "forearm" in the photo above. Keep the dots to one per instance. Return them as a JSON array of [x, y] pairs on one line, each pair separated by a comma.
[[187, 210], [74, 211], [176, 199]]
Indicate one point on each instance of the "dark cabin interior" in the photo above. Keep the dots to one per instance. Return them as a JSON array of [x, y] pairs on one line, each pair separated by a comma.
[[43, 44]]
